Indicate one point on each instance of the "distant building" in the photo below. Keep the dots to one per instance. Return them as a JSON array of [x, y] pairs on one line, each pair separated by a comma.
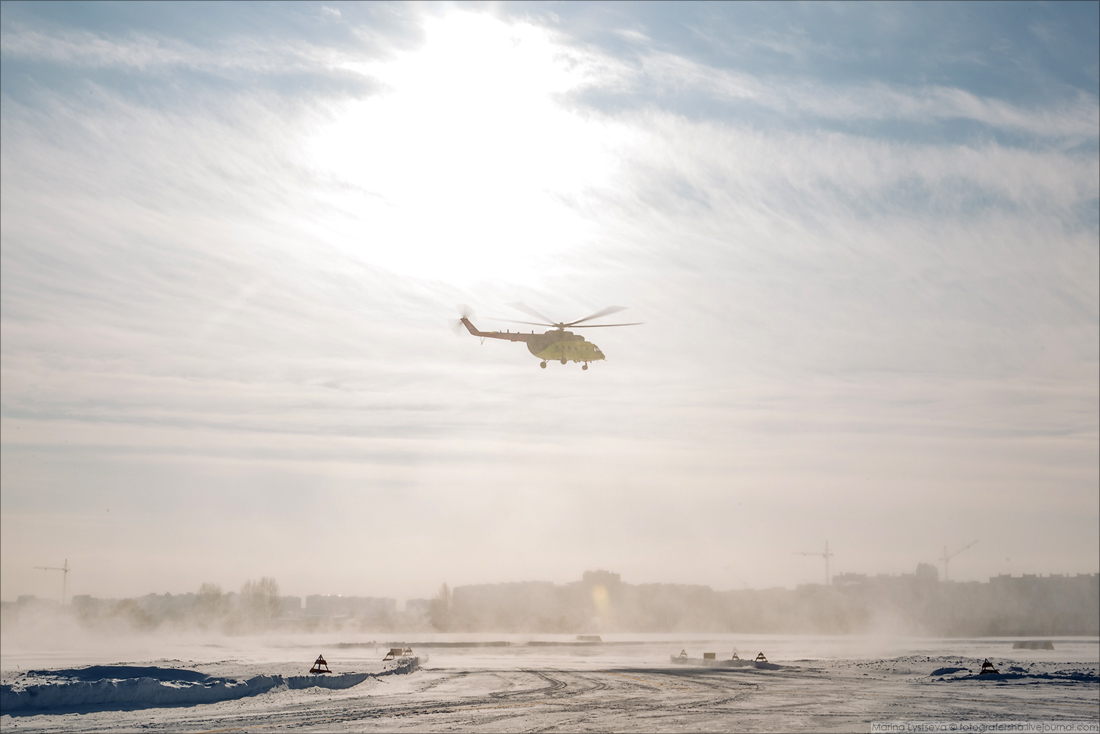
[[290, 606], [418, 606], [25, 602], [849, 579], [329, 606], [603, 578]]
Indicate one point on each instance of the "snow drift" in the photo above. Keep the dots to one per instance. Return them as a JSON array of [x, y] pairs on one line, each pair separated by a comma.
[[127, 686]]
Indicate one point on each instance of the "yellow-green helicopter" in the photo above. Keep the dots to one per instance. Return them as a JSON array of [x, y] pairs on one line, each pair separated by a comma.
[[555, 344]]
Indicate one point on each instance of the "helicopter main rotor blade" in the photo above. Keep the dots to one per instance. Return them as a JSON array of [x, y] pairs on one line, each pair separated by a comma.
[[600, 326], [532, 312], [605, 312], [530, 323]]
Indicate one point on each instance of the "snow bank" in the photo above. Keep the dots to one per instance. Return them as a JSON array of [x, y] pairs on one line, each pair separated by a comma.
[[1026, 674], [939, 670], [128, 687], [947, 669]]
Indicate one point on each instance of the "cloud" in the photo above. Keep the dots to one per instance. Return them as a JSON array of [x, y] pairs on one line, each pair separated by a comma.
[[242, 300], [1070, 121], [85, 49]]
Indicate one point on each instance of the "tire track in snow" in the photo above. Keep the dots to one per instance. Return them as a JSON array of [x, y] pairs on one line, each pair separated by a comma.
[[627, 699]]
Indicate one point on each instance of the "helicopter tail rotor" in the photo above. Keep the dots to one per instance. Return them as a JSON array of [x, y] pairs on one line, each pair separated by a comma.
[[464, 313]]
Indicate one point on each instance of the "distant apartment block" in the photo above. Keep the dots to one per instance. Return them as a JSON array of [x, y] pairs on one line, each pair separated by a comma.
[[327, 606]]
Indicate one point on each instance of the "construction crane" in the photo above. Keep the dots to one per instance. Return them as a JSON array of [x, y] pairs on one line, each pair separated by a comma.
[[947, 557], [64, 577], [826, 555]]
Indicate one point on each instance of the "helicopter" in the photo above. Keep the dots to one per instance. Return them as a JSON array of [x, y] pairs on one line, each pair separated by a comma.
[[555, 344]]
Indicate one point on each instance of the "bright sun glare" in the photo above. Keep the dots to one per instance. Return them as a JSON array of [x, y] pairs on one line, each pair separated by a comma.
[[463, 168]]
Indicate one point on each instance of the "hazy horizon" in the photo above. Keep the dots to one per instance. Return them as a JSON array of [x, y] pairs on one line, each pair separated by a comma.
[[862, 240], [429, 593]]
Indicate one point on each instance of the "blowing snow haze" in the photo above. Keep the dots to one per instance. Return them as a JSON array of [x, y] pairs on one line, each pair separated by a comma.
[[862, 238]]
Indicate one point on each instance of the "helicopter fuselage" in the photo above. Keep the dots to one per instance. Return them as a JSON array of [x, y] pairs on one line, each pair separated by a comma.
[[555, 344], [564, 346]]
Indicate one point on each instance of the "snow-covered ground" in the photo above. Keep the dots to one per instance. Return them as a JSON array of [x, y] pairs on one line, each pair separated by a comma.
[[514, 683]]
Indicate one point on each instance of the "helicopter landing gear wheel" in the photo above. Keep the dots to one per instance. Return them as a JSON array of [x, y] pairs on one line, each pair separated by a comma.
[[584, 366], [542, 364], [564, 360]]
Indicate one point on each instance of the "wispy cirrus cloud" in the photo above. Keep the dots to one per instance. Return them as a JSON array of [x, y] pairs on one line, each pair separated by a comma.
[[658, 73], [147, 52], [1072, 120], [204, 297]]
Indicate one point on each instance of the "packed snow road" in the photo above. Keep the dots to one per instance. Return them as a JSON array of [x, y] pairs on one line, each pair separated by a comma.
[[834, 695]]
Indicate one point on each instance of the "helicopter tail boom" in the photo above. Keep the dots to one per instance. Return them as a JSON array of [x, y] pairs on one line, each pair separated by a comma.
[[508, 336], [469, 326]]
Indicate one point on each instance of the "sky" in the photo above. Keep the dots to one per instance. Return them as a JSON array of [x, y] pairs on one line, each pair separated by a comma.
[[862, 240]]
